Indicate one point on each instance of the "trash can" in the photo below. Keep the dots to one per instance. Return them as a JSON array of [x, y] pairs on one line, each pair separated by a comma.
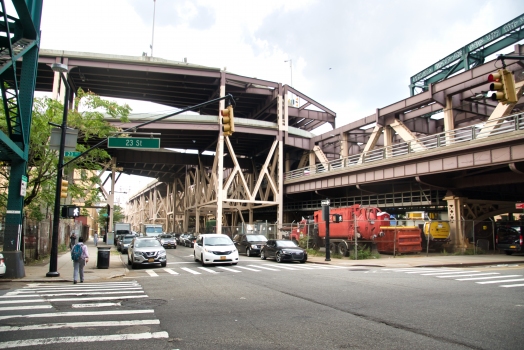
[[102, 261]]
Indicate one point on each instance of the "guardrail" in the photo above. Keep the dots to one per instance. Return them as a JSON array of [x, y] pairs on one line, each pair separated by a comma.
[[470, 133]]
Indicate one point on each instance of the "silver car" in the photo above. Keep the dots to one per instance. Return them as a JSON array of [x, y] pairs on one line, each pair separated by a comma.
[[146, 251]]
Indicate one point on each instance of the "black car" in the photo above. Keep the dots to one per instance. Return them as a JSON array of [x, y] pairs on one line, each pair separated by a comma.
[[123, 243], [189, 240], [509, 240], [250, 244], [283, 250], [167, 240]]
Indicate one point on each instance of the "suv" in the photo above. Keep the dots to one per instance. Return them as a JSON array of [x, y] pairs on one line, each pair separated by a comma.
[[146, 251], [250, 244], [215, 248], [509, 240]]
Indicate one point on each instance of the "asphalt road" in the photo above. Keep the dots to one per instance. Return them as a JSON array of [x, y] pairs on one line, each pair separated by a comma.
[[264, 305]]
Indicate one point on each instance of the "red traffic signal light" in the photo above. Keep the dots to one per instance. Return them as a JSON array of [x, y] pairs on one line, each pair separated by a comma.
[[503, 86], [228, 121]]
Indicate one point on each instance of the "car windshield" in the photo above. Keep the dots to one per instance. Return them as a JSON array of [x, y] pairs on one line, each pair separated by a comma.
[[128, 239], [256, 238], [212, 241], [286, 244], [166, 236], [147, 243]]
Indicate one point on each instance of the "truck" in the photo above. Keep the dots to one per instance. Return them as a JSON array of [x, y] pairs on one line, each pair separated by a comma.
[[120, 229], [435, 233], [368, 224], [151, 230]]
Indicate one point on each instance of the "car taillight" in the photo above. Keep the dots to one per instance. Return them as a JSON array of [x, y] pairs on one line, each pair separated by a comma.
[[520, 239], [2, 259], [497, 239]]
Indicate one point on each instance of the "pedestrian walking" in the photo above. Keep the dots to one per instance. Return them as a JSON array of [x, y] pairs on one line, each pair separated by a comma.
[[95, 239], [80, 256], [72, 241]]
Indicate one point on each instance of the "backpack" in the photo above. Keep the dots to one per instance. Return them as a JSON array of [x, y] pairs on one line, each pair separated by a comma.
[[76, 253]]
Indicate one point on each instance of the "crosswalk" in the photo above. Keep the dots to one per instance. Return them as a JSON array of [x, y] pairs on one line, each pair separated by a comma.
[[478, 277], [194, 269], [44, 314]]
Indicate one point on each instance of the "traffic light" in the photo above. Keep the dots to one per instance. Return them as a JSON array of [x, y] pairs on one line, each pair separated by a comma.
[[228, 121], [63, 189], [503, 85], [70, 211]]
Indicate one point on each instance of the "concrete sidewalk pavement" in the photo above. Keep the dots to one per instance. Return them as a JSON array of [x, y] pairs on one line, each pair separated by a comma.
[[37, 273]]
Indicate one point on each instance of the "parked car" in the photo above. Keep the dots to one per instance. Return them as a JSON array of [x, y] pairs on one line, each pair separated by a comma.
[[283, 250], [124, 242], [214, 248], [189, 240], [2, 265], [509, 240], [249, 244], [181, 238], [167, 240], [146, 251]]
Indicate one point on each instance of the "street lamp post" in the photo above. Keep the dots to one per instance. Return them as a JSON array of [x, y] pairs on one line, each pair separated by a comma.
[[291, 68], [53, 263]]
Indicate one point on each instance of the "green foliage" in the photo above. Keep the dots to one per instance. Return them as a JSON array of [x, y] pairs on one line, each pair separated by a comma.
[[118, 215], [363, 254], [88, 117]]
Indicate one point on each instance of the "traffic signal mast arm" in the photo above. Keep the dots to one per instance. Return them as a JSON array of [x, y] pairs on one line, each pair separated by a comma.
[[132, 129]]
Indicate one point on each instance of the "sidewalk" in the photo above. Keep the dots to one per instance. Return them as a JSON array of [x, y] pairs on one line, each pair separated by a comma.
[[421, 260], [37, 273], [117, 268]]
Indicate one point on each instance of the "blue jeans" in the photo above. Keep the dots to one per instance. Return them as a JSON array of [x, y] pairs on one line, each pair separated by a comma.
[[78, 268]]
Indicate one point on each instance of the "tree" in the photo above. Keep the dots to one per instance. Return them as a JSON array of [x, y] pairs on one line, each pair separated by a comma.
[[118, 215], [88, 116]]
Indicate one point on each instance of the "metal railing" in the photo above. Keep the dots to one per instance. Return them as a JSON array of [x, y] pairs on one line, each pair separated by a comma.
[[479, 131]]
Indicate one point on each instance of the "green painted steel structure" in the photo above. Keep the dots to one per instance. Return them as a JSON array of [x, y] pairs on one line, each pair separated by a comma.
[[19, 42], [471, 55]]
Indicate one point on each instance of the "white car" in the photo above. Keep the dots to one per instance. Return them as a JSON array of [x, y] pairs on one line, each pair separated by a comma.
[[213, 248], [2, 265]]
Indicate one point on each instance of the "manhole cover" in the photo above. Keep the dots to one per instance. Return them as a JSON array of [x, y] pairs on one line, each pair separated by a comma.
[[144, 303]]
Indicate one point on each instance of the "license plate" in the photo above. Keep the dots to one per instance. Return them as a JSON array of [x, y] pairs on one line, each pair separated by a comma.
[[513, 246], [222, 258], [151, 260]]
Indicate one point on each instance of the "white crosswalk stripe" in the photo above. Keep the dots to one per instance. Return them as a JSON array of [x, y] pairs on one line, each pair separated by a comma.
[[36, 302], [478, 277]]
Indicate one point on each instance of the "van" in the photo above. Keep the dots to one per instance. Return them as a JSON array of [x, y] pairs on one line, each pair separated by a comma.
[[215, 248], [509, 240]]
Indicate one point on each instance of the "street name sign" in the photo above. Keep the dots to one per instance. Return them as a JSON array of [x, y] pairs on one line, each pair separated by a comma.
[[72, 154], [133, 142]]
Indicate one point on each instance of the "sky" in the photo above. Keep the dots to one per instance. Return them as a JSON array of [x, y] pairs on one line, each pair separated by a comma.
[[352, 56]]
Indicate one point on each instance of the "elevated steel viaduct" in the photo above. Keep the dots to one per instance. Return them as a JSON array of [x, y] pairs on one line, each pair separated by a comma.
[[470, 162]]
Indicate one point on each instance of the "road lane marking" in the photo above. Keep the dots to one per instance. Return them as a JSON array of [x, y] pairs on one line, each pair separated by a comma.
[[208, 269], [468, 275], [265, 268], [25, 307], [248, 268], [171, 271], [100, 298], [487, 278], [22, 301], [228, 269], [190, 271], [81, 324], [82, 339], [503, 281], [72, 289], [513, 285], [80, 314], [79, 306], [448, 273], [152, 273]]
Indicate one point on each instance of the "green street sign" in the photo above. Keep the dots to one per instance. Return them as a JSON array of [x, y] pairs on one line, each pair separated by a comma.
[[72, 154], [133, 142]]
